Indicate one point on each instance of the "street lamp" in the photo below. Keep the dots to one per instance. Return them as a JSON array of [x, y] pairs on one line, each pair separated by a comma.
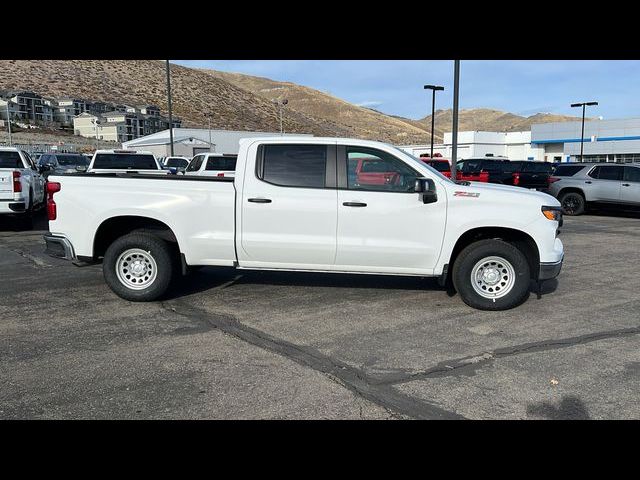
[[454, 143], [169, 105], [584, 105], [9, 122], [208, 117], [96, 122], [434, 89], [281, 103]]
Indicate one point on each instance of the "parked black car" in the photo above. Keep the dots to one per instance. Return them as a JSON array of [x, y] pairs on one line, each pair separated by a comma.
[[57, 163], [521, 173], [496, 167], [528, 174]]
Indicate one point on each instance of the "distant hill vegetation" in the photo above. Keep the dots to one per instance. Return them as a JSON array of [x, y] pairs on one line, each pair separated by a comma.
[[240, 102]]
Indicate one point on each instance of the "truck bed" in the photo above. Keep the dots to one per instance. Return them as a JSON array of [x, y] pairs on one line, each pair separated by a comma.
[[198, 210]]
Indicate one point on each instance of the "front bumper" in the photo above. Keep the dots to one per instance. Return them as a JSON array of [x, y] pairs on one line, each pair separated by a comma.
[[59, 247], [550, 270]]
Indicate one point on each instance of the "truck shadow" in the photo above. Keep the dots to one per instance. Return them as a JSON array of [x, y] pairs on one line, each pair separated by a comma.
[[17, 224], [208, 278], [570, 407]]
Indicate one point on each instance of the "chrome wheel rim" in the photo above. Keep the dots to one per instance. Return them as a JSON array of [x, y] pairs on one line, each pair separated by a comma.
[[136, 269], [493, 277]]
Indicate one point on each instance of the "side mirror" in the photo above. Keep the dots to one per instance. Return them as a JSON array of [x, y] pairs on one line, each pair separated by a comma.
[[426, 187], [81, 168], [173, 170]]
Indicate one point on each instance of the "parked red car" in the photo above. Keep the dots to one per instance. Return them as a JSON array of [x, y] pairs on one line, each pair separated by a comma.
[[444, 167]]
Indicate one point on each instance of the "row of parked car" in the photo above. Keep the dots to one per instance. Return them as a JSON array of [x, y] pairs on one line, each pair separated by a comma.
[[576, 185]]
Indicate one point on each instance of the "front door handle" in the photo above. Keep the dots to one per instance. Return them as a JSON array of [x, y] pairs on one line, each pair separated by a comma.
[[626, 184], [260, 200], [354, 204], [588, 181]]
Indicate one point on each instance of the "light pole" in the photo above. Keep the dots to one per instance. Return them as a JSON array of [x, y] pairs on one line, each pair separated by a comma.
[[96, 122], [169, 104], [434, 89], [456, 92], [584, 105], [9, 123], [281, 103], [208, 116]]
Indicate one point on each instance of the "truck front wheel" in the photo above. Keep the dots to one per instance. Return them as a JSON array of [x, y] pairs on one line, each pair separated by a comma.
[[138, 267], [491, 275]]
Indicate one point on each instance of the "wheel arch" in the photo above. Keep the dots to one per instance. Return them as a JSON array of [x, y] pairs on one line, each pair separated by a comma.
[[115, 227], [518, 238]]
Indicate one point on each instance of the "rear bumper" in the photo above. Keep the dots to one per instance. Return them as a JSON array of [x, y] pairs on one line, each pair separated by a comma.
[[59, 247], [549, 270], [12, 206]]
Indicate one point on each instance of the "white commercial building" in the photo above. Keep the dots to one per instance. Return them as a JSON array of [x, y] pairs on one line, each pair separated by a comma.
[[604, 140], [513, 145], [188, 142]]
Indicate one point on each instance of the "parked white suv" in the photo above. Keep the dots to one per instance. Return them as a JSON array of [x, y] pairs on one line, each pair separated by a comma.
[[21, 183], [212, 165]]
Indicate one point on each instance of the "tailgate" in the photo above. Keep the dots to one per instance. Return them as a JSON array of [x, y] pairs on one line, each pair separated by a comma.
[[6, 182]]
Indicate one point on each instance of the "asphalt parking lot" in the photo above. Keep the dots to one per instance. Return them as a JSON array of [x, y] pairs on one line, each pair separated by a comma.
[[238, 345]]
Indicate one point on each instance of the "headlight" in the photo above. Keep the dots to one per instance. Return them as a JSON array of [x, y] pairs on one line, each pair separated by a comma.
[[552, 213]]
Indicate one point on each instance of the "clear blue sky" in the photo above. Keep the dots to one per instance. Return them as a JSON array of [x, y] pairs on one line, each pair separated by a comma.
[[523, 87]]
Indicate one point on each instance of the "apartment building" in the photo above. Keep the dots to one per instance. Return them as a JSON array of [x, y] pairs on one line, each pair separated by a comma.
[[25, 106], [121, 126]]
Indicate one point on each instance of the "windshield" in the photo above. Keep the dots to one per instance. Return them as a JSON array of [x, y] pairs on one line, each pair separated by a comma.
[[72, 160], [421, 163]]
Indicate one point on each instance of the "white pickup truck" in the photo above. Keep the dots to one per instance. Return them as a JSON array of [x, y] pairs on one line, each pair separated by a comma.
[[310, 204], [212, 165], [21, 183]]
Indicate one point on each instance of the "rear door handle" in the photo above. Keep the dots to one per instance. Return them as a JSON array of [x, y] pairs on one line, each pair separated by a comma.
[[626, 184], [260, 200], [588, 181], [354, 204]]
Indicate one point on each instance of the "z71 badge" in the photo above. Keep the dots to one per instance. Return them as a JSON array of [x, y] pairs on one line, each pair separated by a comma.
[[466, 194]]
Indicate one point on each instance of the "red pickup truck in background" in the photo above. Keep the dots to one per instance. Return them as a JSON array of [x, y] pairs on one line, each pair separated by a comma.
[[443, 166]]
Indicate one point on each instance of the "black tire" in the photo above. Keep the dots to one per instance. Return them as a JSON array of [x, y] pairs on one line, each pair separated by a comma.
[[160, 251], [471, 255], [573, 203]]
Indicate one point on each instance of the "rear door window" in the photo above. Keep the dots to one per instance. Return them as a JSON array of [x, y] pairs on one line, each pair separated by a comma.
[[607, 172], [294, 165]]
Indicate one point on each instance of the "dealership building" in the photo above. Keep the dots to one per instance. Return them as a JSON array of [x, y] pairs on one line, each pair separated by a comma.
[[604, 140]]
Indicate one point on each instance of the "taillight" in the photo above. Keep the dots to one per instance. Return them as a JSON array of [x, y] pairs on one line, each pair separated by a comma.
[[516, 178], [17, 186], [550, 180], [52, 211]]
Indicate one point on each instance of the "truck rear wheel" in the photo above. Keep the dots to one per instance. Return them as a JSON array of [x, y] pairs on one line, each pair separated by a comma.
[[138, 267], [491, 275]]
